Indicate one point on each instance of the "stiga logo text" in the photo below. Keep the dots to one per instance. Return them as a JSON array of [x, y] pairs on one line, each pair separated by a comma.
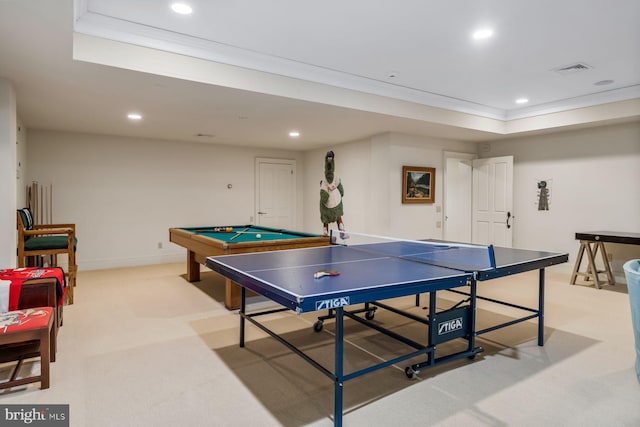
[[332, 303], [35, 415], [450, 326]]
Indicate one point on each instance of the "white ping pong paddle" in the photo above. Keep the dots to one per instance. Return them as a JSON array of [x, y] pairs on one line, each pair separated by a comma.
[[322, 273]]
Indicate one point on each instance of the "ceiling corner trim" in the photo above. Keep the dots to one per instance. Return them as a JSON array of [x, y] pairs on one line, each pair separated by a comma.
[[80, 9], [143, 59], [626, 109], [600, 98], [181, 44]]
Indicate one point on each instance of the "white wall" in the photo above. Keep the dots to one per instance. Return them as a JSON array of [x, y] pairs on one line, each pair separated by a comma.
[[124, 194], [8, 172], [418, 221], [595, 175], [371, 173], [21, 165]]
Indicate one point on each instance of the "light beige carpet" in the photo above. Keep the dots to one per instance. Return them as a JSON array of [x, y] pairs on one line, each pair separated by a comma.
[[144, 347]]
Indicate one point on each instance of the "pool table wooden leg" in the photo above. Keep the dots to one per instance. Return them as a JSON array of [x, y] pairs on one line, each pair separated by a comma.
[[231, 295], [193, 267]]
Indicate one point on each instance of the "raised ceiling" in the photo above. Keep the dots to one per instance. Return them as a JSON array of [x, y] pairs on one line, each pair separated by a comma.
[[247, 72]]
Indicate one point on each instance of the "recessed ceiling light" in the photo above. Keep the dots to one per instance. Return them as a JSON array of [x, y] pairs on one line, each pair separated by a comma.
[[294, 134], [484, 33], [134, 116], [181, 8], [522, 100]]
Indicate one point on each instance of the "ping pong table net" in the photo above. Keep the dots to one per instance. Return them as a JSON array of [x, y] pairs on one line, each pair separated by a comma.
[[453, 255]]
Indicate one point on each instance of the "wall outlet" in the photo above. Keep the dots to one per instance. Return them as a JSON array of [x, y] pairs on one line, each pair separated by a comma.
[[159, 245], [438, 224]]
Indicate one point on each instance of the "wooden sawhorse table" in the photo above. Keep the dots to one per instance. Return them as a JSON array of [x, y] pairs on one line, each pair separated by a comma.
[[593, 244]]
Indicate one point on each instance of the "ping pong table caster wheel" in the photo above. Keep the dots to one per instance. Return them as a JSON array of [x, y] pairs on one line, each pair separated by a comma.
[[317, 327], [411, 373], [369, 315]]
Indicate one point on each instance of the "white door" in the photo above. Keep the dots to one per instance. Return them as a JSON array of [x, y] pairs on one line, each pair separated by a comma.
[[458, 193], [276, 193], [493, 201]]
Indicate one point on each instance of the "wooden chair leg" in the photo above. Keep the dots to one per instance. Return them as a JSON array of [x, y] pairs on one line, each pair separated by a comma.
[[53, 341], [45, 358], [14, 374], [71, 283]]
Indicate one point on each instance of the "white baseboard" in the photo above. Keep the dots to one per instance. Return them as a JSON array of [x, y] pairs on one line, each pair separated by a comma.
[[109, 263]]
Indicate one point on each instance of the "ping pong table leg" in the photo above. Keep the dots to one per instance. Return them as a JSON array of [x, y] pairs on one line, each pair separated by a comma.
[[432, 321], [541, 307], [472, 317], [243, 301], [339, 354]]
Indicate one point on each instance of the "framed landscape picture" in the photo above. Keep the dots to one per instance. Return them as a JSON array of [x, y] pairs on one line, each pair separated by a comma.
[[418, 184]]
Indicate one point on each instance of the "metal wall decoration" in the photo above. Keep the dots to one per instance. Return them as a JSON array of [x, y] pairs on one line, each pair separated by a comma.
[[544, 194]]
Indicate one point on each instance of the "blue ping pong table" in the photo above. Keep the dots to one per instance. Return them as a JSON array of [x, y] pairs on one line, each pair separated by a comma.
[[372, 272]]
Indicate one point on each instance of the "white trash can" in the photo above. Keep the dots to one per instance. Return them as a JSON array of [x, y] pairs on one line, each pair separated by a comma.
[[632, 274]]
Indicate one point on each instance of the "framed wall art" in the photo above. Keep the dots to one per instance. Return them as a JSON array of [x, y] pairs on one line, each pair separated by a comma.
[[418, 184]]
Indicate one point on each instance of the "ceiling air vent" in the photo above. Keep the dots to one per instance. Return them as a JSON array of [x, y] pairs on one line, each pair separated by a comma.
[[573, 68]]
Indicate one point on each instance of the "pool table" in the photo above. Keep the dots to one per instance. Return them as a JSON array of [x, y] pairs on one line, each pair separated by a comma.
[[202, 242]]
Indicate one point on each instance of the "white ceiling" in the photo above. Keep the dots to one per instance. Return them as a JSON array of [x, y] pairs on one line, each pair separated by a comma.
[[247, 72]]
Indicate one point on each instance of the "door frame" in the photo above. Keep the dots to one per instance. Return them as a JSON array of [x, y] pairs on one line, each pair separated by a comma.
[[448, 193], [493, 215], [294, 197]]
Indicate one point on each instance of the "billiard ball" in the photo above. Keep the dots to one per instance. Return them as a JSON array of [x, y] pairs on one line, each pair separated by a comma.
[[258, 236]]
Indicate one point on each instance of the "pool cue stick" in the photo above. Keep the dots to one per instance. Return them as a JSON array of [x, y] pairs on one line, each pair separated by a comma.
[[239, 233], [45, 207], [246, 232], [33, 200], [50, 204], [39, 203], [36, 215], [257, 232], [35, 203]]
